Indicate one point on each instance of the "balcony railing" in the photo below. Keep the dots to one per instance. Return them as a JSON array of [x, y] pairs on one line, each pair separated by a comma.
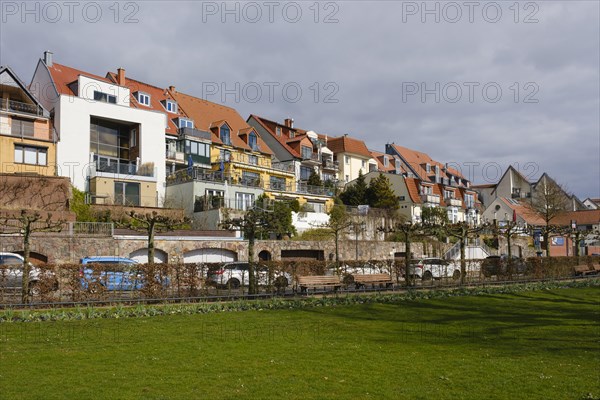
[[430, 198], [330, 165], [19, 107], [124, 168], [453, 202], [175, 155], [314, 157]]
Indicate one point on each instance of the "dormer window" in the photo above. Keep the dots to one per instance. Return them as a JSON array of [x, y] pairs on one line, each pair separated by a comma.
[[106, 98], [278, 131], [252, 141], [185, 123], [386, 162], [171, 106], [428, 168], [292, 134], [225, 135], [143, 98]]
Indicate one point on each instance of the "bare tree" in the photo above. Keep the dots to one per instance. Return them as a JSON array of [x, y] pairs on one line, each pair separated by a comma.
[[408, 230], [26, 223], [339, 221], [151, 223], [463, 231], [549, 200]]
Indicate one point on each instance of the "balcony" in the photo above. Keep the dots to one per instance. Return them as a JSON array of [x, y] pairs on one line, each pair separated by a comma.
[[173, 155], [330, 165], [430, 198], [452, 202], [112, 167], [311, 158], [20, 108]]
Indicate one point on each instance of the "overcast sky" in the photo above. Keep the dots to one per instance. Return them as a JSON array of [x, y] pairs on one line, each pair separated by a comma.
[[479, 85]]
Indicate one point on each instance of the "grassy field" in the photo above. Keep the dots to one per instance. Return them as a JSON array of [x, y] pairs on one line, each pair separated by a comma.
[[534, 345]]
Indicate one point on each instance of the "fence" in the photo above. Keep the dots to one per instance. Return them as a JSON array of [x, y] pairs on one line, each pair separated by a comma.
[[74, 284]]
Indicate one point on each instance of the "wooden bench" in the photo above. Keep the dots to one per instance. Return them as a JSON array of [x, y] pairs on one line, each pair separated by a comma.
[[361, 280], [319, 281], [585, 269]]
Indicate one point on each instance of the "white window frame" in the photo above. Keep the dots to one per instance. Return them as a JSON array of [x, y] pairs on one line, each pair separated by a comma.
[[186, 122], [143, 98], [24, 150], [173, 105]]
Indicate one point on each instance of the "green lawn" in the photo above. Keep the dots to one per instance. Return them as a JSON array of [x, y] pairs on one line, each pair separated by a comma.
[[534, 345]]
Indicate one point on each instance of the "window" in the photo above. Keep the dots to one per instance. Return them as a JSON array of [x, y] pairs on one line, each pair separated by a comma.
[[244, 201], [347, 178], [185, 123], [21, 127], [426, 190], [448, 194], [363, 164], [250, 179], [347, 160], [402, 198], [253, 160], [277, 183], [143, 98], [328, 177], [469, 200], [453, 214], [110, 139], [278, 131], [106, 98], [292, 134], [196, 148], [305, 172], [306, 152], [133, 137], [31, 155], [386, 162], [127, 193], [171, 106], [225, 155], [252, 141], [225, 135], [427, 168]]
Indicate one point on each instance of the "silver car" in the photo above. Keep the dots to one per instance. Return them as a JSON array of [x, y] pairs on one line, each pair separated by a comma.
[[236, 274], [11, 274]]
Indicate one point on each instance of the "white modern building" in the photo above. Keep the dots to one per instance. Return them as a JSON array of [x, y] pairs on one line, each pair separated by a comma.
[[113, 152]]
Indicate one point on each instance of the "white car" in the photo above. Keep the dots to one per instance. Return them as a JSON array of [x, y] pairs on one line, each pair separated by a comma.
[[11, 274], [366, 269], [236, 274], [434, 268]]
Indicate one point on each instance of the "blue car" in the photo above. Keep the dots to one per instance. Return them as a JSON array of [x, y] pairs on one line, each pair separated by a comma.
[[117, 273]]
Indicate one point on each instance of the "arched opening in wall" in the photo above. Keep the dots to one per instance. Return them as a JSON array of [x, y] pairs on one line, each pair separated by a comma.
[[210, 255], [141, 256], [303, 254], [35, 258], [264, 256]]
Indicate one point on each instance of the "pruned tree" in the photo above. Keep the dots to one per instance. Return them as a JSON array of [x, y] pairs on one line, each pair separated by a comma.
[[407, 230], [254, 221], [463, 231], [339, 221], [549, 200], [151, 223], [26, 223]]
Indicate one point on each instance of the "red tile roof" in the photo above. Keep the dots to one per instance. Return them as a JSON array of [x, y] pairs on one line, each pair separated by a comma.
[[524, 211], [584, 217], [156, 96], [379, 157], [206, 114], [347, 144], [63, 76], [284, 138], [416, 160], [412, 184]]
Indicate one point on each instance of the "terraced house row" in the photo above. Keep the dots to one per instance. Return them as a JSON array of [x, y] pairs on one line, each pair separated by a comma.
[[124, 141]]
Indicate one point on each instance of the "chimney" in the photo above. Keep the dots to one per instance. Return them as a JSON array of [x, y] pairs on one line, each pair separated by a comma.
[[48, 58], [289, 122], [121, 76], [172, 89]]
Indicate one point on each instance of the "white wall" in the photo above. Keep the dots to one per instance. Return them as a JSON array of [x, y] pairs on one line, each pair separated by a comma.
[[87, 87], [73, 125]]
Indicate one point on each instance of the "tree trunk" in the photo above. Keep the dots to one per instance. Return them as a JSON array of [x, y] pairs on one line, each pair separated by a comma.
[[25, 298], [547, 242], [407, 246], [337, 251], [252, 282], [151, 243], [463, 264]]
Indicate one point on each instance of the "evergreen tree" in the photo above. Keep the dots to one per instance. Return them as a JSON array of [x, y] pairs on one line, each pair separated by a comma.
[[380, 194], [355, 194], [314, 179]]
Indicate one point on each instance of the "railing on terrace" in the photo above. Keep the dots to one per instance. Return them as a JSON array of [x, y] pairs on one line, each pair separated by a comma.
[[20, 107], [124, 168], [26, 131], [101, 229], [330, 164]]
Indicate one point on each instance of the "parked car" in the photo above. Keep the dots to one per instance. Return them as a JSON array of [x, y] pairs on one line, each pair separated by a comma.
[[11, 275], [366, 269], [433, 268], [236, 274], [115, 273], [502, 266]]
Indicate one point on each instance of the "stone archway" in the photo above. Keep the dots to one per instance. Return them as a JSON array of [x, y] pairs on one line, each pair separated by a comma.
[[209, 255], [141, 256], [35, 258], [265, 256]]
